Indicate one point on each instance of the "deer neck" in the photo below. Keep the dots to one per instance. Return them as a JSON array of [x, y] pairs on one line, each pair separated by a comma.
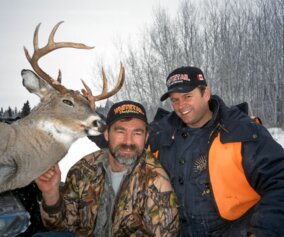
[[60, 133]]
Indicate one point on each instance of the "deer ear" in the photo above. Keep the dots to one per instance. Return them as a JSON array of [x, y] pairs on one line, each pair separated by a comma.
[[34, 84]]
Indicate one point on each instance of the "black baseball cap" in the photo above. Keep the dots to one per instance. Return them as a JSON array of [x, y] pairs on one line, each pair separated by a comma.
[[126, 109], [184, 79]]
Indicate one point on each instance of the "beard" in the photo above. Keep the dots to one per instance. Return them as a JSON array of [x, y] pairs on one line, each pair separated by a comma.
[[126, 159]]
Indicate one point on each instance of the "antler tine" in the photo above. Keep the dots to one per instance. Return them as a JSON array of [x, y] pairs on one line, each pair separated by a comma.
[[35, 41], [119, 83], [57, 45], [38, 53], [51, 36], [105, 84], [59, 77], [50, 46], [87, 92]]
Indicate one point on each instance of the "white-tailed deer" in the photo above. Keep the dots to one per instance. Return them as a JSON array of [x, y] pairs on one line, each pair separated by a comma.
[[31, 145]]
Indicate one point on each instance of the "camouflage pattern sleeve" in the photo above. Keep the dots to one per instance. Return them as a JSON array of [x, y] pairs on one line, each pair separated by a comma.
[[80, 197], [162, 204]]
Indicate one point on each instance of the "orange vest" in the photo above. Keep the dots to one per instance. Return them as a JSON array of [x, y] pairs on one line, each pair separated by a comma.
[[155, 153], [232, 192]]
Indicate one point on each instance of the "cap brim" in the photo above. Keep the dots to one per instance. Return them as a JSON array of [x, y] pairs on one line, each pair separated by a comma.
[[123, 116], [176, 89]]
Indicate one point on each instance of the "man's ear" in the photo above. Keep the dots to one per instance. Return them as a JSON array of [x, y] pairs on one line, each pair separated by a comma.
[[106, 134], [207, 93]]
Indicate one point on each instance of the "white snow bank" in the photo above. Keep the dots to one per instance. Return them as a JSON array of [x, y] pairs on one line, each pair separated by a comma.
[[278, 135]]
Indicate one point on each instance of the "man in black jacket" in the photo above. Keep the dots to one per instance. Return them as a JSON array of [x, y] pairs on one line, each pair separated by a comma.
[[227, 170]]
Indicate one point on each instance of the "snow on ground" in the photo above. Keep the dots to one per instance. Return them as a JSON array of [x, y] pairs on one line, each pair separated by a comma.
[[278, 135], [85, 146], [80, 148]]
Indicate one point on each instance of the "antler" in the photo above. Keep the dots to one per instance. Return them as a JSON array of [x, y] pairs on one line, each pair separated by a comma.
[[50, 46], [105, 94]]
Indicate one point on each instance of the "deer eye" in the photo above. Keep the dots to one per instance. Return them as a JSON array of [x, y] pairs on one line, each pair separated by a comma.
[[68, 102]]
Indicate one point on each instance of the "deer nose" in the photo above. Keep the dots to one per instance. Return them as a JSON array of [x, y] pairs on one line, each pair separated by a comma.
[[100, 124], [96, 126]]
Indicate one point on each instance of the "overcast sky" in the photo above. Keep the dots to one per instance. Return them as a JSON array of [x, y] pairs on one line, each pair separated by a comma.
[[93, 22]]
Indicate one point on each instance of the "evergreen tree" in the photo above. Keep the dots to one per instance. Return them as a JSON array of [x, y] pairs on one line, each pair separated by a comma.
[[26, 109], [16, 112], [10, 112]]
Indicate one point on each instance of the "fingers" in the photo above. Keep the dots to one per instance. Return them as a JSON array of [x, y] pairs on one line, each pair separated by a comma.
[[48, 175], [56, 168]]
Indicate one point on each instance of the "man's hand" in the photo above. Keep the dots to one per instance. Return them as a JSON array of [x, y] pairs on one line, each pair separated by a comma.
[[49, 183]]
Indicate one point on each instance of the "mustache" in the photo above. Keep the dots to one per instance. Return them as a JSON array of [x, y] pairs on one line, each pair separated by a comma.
[[129, 147]]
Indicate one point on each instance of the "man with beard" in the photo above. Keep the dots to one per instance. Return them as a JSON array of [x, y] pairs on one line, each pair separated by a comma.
[[117, 191]]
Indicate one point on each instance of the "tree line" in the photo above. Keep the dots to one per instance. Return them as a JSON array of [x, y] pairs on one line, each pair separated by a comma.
[[238, 44], [10, 113]]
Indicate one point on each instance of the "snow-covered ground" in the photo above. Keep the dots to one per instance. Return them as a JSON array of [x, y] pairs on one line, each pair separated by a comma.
[[278, 135], [84, 146], [80, 148]]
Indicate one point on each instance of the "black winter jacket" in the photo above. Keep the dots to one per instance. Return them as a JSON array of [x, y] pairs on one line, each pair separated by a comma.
[[262, 159]]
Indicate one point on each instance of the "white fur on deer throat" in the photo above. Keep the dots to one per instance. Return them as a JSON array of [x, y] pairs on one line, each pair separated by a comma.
[[66, 135]]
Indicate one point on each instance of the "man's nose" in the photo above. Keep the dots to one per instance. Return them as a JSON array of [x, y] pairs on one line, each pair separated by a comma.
[[181, 104], [128, 138]]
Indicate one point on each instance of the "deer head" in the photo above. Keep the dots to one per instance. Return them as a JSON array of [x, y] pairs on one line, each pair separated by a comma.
[[31, 145], [70, 102]]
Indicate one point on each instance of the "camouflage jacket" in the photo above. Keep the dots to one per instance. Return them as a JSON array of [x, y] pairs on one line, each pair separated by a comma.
[[145, 204]]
